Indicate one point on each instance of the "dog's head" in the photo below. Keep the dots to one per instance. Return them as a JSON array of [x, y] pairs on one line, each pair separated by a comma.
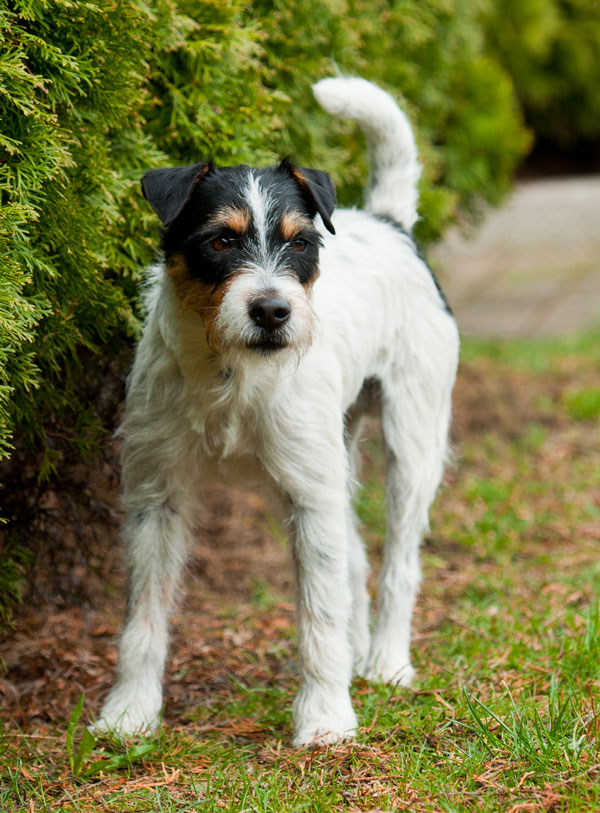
[[242, 249]]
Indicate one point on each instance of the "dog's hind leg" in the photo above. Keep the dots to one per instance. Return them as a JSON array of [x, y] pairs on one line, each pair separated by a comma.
[[416, 414], [359, 570], [156, 540], [357, 557]]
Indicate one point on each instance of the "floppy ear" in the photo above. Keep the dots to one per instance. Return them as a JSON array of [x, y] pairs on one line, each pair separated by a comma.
[[317, 188], [168, 190]]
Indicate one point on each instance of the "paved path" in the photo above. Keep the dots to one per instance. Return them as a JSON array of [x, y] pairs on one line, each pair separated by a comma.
[[533, 267]]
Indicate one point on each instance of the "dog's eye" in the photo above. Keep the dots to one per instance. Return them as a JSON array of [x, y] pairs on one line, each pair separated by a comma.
[[299, 244], [223, 243]]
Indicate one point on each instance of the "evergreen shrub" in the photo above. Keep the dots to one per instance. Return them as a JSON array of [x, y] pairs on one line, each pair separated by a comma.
[[430, 55], [72, 146], [93, 93]]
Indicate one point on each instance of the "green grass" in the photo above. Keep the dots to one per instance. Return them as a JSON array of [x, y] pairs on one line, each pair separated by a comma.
[[504, 713], [535, 355]]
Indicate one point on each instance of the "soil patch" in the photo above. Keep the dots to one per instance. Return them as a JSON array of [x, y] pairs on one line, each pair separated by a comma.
[[238, 593]]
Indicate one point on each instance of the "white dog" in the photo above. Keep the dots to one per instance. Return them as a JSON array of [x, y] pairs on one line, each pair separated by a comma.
[[267, 340]]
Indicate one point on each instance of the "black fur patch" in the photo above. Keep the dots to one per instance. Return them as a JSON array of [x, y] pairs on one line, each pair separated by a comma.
[[395, 225], [193, 234]]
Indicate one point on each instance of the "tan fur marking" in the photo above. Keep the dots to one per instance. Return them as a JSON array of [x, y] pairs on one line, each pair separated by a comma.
[[299, 177], [238, 220], [292, 224], [195, 295], [202, 173]]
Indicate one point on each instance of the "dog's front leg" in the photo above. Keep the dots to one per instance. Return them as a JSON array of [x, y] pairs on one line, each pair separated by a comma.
[[156, 540], [314, 475], [323, 710]]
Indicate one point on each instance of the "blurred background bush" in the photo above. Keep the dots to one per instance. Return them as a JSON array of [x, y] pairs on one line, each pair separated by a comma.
[[92, 94], [550, 50]]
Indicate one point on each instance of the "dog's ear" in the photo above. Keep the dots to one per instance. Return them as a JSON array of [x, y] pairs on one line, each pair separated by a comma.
[[168, 190], [317, 188]]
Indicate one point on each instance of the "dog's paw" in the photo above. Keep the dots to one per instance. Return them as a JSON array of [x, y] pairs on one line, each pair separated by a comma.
[[395, 674], [318, 737], [129, 711], [325, 730], [323, 717]]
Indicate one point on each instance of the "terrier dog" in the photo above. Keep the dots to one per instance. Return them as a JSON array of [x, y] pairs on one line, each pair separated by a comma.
[[268, 338]]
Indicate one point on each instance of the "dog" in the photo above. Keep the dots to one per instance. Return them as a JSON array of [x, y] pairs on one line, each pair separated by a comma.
[[273, 327]]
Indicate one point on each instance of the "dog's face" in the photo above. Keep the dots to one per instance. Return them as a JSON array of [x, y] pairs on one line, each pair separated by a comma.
[[242, 249]]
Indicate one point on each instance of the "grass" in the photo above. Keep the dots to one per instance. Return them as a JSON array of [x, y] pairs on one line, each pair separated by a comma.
[[504, 713]]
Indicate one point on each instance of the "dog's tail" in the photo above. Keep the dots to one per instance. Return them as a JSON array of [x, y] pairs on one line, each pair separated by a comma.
[[395, 168]]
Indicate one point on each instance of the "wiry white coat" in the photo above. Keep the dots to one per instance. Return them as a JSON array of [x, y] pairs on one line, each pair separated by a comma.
[[192, 416]]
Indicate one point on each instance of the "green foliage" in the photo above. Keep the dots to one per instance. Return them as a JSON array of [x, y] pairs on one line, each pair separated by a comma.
[[550, 48], [430, 56], [78, 757], [93, 93], [121, 756], [207, 88], [72, 147]]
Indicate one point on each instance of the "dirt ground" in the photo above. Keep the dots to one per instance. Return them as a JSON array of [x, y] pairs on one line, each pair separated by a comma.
[[238, 594]]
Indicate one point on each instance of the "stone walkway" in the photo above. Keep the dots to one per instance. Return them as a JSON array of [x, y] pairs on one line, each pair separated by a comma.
[[533, 267]]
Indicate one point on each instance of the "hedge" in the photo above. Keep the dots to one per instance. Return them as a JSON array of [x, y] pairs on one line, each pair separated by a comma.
[[94, 93], [73, 142], [91, 94]]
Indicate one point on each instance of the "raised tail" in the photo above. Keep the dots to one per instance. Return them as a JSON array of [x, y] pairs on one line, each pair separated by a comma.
[[395, 168]]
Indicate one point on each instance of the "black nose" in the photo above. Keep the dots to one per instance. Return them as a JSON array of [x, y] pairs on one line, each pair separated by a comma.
[[269, 312]]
